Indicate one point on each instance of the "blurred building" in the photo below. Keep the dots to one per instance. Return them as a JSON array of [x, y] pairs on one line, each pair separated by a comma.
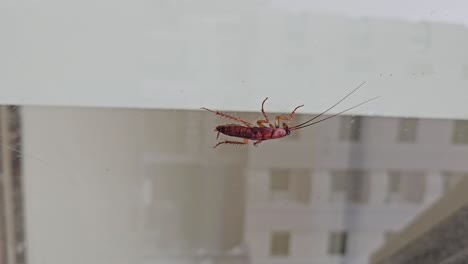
[[333, 193], [130, 186], [193, 197], [125, 188]]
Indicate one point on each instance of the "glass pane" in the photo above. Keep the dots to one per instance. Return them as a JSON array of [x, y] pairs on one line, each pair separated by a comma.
[[138, 134]]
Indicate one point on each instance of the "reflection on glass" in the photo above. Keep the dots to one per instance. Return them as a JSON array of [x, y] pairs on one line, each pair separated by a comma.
[[120, 185]]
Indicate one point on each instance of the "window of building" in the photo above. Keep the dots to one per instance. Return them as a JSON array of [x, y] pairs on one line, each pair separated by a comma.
[[358, 186], [338, 181], [353, 185], [451, 179], [460, 132], [350, 128], [290, 185], [337, 185], [337, 243], [393, 187], [407, 130], [279, 243], [406, 186]]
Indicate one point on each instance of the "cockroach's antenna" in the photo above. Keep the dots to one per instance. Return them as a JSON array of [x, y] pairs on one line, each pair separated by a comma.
[[321, 120], [307, 123], [332, 105]]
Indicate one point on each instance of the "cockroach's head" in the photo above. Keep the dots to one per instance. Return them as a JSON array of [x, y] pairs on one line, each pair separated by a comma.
[[220, 128], [286, 128]]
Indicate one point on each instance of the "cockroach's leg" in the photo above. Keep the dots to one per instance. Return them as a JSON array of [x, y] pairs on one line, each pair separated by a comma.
[[266, 120], [256, 143], [229, 116], [286, 118], [278, 118], [261, 123], [263, 110], [292, 113], [246, 141]]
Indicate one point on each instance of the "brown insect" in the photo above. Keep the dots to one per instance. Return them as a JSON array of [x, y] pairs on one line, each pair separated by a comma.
[[260, 133]]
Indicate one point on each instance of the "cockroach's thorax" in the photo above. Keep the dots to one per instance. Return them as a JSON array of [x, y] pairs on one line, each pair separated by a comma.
[[280, 132]]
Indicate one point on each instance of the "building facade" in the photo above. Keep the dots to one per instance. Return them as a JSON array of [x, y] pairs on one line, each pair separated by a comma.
[[334, 193]]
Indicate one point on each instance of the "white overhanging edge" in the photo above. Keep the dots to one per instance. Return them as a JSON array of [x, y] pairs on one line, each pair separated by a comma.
[[423, 99], [437, 96]]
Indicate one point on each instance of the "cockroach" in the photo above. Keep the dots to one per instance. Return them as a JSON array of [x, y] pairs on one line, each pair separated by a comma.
[[260, 133]]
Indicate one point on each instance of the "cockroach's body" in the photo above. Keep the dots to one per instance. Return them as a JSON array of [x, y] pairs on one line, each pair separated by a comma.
[[252, 133], [260, 133]]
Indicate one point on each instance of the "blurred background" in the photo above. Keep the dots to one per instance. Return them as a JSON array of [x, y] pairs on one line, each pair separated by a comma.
[[106, 156]]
